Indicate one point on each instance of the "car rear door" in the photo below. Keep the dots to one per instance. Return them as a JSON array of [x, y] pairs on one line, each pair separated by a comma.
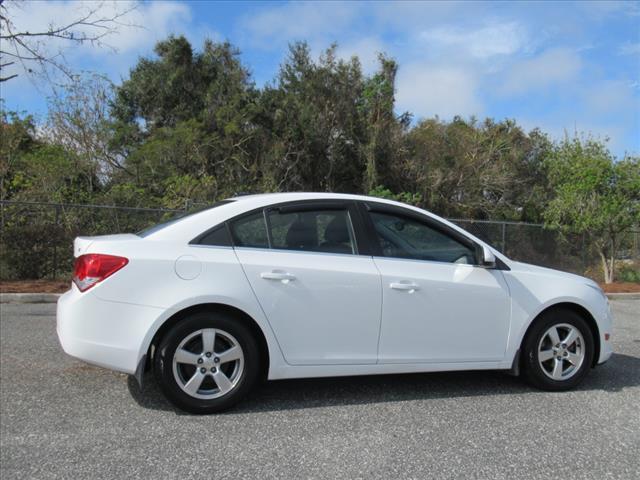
[[438, 304], [320, 294]]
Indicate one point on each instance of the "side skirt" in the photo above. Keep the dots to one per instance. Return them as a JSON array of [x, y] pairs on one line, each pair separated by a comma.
[[315, 371]]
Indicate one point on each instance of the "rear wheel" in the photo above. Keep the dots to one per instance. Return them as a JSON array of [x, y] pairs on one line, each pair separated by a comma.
[[207, 362], [558, 351]]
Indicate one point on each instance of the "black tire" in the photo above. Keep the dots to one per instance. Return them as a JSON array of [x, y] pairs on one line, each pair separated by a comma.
[[164, 369], [533, 370]]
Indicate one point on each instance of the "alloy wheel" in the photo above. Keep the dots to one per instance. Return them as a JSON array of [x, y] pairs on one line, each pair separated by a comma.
[[561, 351], [208, 363]]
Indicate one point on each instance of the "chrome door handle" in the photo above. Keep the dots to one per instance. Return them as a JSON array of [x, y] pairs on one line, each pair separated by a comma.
[[405, 286], [284, 277]]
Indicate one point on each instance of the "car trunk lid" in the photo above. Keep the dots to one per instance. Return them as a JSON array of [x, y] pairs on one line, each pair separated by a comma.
[[82, 244]]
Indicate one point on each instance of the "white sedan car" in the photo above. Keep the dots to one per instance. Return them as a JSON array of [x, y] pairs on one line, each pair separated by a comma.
[[315, 285]]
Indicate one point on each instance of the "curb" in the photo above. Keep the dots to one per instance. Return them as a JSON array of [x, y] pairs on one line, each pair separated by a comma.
[[29, 297], [623, 296], [53, 297]]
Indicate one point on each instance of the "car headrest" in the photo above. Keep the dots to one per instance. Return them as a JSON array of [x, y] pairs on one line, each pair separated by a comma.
[[337, 231], [301, 235]]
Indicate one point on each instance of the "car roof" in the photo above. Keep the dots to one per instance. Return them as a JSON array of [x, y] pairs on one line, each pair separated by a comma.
[[186, 229], [292, 196], [192, 225]]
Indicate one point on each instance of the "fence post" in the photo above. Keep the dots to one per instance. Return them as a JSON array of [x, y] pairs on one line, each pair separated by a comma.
[[55, 244], [504, 238], [584, 254]]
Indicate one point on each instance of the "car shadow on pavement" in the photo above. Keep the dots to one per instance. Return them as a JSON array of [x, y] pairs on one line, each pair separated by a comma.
[[622, 371]]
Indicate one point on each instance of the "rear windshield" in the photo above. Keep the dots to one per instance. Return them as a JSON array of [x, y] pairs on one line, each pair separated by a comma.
[[181, 216]]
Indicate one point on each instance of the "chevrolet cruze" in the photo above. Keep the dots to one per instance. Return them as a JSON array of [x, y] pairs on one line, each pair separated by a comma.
[[315, 285]]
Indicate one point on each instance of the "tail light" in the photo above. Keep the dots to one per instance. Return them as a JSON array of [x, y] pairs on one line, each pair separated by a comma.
[[92, 268]]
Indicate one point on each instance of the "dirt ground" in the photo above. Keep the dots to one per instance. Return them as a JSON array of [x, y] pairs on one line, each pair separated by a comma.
[[35, 286], [61, 286], [621, 287]]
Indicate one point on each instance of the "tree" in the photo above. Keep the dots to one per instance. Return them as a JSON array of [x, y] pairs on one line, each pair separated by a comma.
[[384, 130], [185, 115], [594, 195], [79, 120], [315, 124], [33, 168], [40, 51], [483, 170], [17, 137]]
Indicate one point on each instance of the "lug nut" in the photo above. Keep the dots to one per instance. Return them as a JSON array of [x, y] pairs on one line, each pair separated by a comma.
[[208, 354], [216, 359], [200, 360], [203, 370], [213, 369]]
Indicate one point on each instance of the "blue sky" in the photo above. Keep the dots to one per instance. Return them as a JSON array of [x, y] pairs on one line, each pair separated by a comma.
[[565, 66]]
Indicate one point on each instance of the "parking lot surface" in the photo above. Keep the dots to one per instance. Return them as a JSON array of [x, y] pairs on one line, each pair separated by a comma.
[[60, 418]]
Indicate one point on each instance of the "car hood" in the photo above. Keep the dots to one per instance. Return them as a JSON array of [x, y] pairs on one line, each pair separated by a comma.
[[549, 272]]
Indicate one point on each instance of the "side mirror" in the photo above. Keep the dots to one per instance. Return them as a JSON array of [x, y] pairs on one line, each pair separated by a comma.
[[488, 259]]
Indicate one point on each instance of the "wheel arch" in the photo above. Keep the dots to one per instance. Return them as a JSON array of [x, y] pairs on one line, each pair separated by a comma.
[[580, 310], [236, 312]]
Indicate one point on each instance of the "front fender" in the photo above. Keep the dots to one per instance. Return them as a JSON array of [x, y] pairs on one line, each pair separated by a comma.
[[533, 293]]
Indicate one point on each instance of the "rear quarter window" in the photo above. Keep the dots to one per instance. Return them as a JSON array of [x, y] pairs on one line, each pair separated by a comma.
[[178, 218]]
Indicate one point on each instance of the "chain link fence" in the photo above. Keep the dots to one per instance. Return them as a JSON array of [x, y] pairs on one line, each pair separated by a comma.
[[532, 243], [36, 239]]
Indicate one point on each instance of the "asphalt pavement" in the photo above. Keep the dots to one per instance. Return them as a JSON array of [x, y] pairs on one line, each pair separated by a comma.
[[60, 418]]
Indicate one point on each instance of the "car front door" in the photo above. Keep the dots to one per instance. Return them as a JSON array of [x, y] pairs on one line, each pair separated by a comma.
[[321, 297], [438, 304]]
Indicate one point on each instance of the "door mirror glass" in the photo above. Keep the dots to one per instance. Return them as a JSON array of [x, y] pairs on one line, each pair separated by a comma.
[[488, 258]]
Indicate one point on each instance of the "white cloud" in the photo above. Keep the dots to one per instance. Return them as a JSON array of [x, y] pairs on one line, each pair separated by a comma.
[[601, 9], [428, 90], [488, 41], [153, 21], [412, 15], [366, 49], [310, 21], [138, 28], [629, 48], [568, 125], [610, 97], [554, 67]]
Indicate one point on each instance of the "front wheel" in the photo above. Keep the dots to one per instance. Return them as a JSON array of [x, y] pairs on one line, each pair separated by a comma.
[[207, 362], [558, 351]]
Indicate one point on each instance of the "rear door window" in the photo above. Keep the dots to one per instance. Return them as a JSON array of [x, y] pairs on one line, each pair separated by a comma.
[[326, 231]]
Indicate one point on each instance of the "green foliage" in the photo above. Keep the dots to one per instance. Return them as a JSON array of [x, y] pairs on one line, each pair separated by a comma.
[[475, 170], [18, 138], [629, 273], [189, 127], [404, 197], [311, 126], [188, 114], [181, 190], [30, 254], [33, 169], [593, 195]]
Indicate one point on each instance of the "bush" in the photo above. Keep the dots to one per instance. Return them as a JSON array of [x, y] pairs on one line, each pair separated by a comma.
[[629, 273], [29, 249]]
